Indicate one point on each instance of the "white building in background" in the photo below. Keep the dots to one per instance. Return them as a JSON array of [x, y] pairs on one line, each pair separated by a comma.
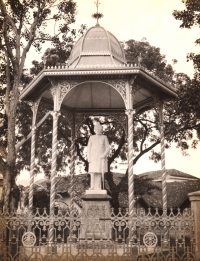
[[119, 166]]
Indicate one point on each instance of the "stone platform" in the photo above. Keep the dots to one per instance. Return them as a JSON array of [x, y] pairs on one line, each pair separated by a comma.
[[96, 192], [97, 211]]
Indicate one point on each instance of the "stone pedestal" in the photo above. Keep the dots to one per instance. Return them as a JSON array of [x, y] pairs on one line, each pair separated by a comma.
[[195, 206], [96, 192], [95, 223]]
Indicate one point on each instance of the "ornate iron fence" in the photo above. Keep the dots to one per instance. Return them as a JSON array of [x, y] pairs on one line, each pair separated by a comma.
[[149, 236]]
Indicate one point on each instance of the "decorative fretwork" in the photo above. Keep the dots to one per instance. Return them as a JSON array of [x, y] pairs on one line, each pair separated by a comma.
[[113, 231], [53, 87], [66, 86], [133, 84], [156, 103], [29, 239], [150, 239], [53, 91], [120, 86], [134, 88], [64, 89]]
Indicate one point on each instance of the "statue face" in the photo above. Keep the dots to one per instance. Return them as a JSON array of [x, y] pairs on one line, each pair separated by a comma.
[[98, 129]]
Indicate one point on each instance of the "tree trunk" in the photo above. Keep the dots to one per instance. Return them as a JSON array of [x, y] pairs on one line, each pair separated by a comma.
[[10, 194], [114, 191]]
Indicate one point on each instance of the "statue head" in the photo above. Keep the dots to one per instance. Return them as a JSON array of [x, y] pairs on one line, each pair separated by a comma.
[[98, 128]]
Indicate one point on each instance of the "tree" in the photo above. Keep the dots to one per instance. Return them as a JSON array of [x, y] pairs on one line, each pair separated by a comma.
[[149, 57], [190, 18], [180, 116], [41, 197], [22, 25]]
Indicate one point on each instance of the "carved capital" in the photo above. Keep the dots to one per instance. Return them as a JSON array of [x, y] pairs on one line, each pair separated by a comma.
[[130, 112], [55, 113]]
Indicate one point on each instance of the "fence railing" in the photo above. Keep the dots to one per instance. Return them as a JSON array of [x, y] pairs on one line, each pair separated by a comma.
[[149, 235]]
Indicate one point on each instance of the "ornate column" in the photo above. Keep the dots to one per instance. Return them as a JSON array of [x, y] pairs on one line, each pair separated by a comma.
[[130, 95], [53, 173], [195, 206], [31, 183], [164, 183], [53, 160], [162, 142], [72, 173], [72, 161], [32, 163], [55, 93], [131, 201]]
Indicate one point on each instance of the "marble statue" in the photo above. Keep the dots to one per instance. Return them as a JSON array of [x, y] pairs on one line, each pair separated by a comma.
[[97, 151]]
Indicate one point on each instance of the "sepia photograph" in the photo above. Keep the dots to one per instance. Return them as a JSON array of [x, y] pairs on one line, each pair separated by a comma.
[[99, 130]]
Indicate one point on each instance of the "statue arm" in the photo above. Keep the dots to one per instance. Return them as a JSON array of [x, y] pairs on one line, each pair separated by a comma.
[[107, 148], [88, 150]]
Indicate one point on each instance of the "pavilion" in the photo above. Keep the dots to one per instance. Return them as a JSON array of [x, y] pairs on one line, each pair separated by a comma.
[[97, 81]]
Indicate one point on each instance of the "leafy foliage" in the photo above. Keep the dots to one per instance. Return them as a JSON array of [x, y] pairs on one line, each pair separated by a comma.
[[190, 18], [24, 24], [149, 57]]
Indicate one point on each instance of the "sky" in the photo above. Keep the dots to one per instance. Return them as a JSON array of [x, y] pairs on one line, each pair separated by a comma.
[[152, 19]]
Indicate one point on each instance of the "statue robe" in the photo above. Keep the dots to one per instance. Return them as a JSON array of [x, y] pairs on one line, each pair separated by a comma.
[[98, 146]]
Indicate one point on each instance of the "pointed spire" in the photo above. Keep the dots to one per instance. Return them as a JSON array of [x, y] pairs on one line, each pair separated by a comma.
[[97, 15]]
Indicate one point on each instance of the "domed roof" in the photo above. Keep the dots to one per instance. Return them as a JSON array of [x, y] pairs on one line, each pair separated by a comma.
[[97, 48]]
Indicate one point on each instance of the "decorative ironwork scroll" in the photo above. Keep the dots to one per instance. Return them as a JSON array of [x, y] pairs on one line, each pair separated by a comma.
[[64, 87], [150, 239], [113, 229], [28, 239], [120, 86]]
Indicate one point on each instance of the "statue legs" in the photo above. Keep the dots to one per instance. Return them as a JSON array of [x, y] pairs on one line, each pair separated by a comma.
[[95, 183]]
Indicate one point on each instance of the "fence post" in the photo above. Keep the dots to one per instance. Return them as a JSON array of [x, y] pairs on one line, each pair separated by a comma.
[[195, 206]]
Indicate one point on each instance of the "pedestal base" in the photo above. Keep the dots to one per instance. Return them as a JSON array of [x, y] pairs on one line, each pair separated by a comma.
[[96, 224], [95, 192]]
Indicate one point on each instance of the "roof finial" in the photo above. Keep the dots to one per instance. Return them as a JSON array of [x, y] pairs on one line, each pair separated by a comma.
[[97, 15]]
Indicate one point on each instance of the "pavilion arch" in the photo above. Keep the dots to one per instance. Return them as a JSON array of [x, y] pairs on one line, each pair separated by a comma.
[[144, 108], [150, 100], [44, 97], [94, 94]]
